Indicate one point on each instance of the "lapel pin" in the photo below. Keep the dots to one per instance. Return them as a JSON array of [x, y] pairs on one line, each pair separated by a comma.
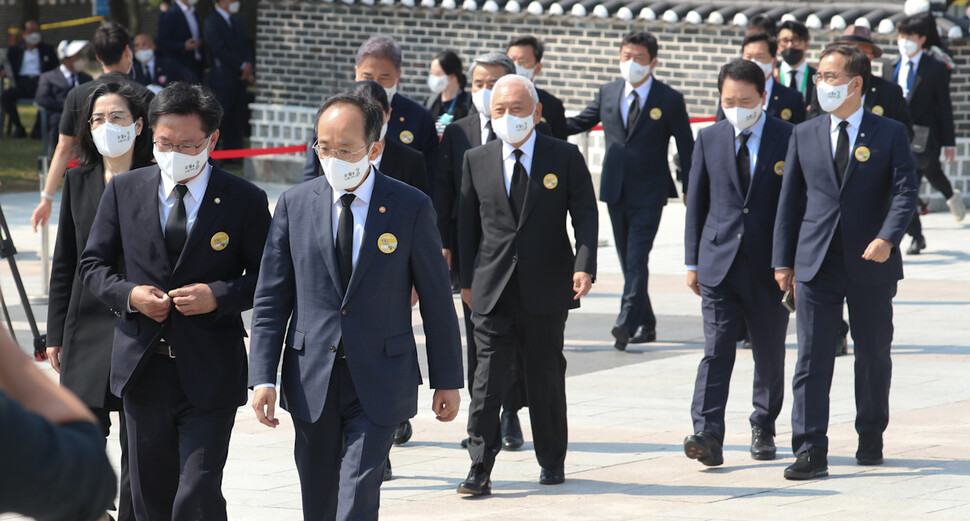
[[550, 181], [655, 113], [382, 209], [217, 200], [387, 243], [862, 154], [786, 114], [219, 241], [780, 168]]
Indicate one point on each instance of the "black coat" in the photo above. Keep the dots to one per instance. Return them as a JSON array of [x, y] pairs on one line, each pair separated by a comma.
[[53, 88], [48, 57], [164, 71], [553, 114], [929, 100]]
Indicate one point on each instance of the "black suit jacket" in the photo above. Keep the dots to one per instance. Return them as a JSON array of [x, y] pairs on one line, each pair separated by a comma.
[[48, 57], [784, 103], [536, 247], [400, 162], [164, 71], [553, 114], [884, 98], [173, 31], [635, 168], [228, 48], [53, 88], [209, 349], [463, 103], [929, 100]]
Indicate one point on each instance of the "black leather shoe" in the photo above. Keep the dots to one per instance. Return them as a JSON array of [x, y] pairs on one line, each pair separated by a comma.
[[762, 444], [870, 449], [403, 433], [464, 443], [511, 431], [478, 482], [918, 244], [622, 337], [643, 336], [552, 476], [388, 475], [812, 463], [705, 448]]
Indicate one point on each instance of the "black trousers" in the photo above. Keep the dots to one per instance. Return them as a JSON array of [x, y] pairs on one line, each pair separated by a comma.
[[634, 229], [176, 452], [508, 333], [125, 511], [234, 116], [26, 88], [928, 166]]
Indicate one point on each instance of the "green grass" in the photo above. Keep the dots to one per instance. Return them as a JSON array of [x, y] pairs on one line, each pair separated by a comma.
[[18, 158]]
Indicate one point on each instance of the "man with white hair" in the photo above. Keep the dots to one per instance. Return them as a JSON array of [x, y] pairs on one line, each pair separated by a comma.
[[515, 194]]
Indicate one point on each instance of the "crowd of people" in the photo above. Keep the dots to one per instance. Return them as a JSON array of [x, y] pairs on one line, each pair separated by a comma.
[[797, 198]]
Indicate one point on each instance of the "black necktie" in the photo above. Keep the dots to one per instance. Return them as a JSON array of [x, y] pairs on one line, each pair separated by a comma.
[[345, 239], [72, 81], [634, 112], [519, 185], [842, 152], [148, 73], [744, 162], [909, 78], [491, 133], [793, 79], [176, 228]]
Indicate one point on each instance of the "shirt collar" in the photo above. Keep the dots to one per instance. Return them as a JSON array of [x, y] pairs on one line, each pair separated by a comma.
[[527, 148], [642, 90], [187, 9], [65, 71], [364, 192], [223, 13], [914, 59], [854, 120], [756, 130], [196, 186], [483, 120]]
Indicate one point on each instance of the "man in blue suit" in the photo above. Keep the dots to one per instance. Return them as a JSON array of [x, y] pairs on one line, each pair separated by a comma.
[[232, 69], [639, 114], [343, 253], [174, 251], [836, 239], [735, 180], [780, 101], [180, 36]]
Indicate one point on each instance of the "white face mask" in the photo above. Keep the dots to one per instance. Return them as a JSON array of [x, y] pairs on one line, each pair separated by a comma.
[[633, 72], [113, 140], [178, 166], [437, 84], [525, 73], [390, 93], [234, 8], [144, 56], [831, 97], [33, 38], [483, 101], [743, 118], [766, 68], [383, 131], [907, 47], [343, 175], [512, 129]]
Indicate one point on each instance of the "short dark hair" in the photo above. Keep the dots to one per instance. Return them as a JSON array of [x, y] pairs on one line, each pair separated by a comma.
[[643, 39], [742, 70], [451, 64], [373, 115], [761, 37], [185, 99], [373, 90], [856, 62], [84, 147], [763, 23], [797, 28], [537, 46], [109, 42], [921, 24]]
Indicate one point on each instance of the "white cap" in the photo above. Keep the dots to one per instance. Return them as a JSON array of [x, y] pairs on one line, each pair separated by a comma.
[[67, 49]]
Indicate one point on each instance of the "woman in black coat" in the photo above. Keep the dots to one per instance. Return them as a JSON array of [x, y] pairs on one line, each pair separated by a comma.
[[448, 101], [113, 137]]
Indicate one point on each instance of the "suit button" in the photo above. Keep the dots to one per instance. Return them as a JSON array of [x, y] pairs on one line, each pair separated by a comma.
[[739, 236], [744, 210], [333, 349], [343, 312], [515, 258]]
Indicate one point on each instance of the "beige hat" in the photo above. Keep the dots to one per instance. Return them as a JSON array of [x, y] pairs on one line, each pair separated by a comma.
[[859, 36]]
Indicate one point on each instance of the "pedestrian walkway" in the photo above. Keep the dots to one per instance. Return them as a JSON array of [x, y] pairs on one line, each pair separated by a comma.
[[629, 412]]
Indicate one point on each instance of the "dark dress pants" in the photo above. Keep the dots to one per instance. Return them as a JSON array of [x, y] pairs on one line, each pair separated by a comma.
[[928, 166], [507, 333], [125, 511], [234, 116], [341, 456], [634, 229], [26, 88], [176, 452], [742, 298], [819, 315]]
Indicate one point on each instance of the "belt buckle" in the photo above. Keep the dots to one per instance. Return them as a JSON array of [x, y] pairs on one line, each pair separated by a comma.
[[170, 353]]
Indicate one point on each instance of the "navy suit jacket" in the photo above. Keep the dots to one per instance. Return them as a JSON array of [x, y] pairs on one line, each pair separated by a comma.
[[398, 161], [876, 200], [785, 104], [228, 48], [164, 71], [717, 212], [300, 294], [635, 168], [53, 88], [209, 348], [929, 99], [173, 31], [411, 124]]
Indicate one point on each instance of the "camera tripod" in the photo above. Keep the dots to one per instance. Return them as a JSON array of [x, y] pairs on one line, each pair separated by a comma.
[[7, 251]]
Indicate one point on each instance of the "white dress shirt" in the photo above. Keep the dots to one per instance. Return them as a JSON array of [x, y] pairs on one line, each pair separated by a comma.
[[852, 129], [799, 72], [904, 64], [643, 91], [189, 13], [30, 66], [508, 159], [482, 121], [769, 83], [67, 73], [192, 199]]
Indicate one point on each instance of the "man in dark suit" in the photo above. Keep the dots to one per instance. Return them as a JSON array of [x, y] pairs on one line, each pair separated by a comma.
[[735, 180], [925, 82], [55, 84], [151, 69], [335, 285], [635, 179], [782, 102], [379, 59], [174, 250], [515, 196], [526, 52], [794, 71], [836, 238], [180, 36], [28, 60], [232, 70]]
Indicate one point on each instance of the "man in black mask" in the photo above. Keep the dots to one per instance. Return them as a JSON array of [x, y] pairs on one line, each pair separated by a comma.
[[794, 72]]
